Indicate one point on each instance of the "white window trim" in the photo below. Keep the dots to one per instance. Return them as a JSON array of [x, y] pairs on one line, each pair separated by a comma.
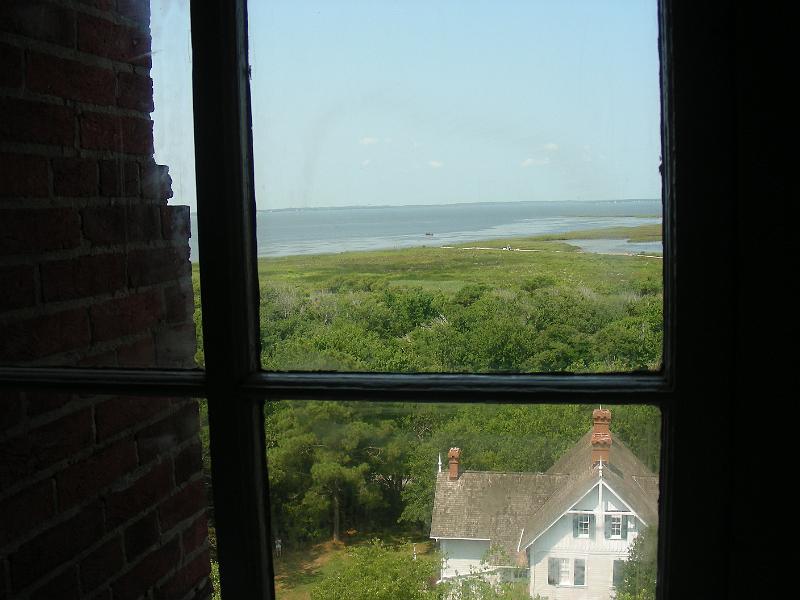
[[616, 521], [581, 524]]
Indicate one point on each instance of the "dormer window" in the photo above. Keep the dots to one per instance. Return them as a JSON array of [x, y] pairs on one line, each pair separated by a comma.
[[583, 526], [616, 527]]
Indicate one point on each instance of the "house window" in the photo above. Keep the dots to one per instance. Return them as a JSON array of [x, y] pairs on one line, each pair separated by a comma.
[[583, 526], [563, 571], [616, 527], [616, 576], [580, 571]]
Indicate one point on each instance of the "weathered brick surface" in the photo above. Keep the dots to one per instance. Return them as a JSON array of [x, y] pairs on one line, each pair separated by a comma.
[[24, 231], [64, 587], [75, 177], [141, 535], [102, 564], [125, 316], [100, 470], [185, 579], [42, 336], [64, 78], [93, 272], [56, 546], [145, 492], [149, 570], [118, 42], [168, 432], [10, 66], [83, 276], [38, 20], [37, 122], [23, 175], [25, 510], [18, 288]]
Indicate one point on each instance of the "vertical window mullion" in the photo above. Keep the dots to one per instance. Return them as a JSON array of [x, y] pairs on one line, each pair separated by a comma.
[[226, 228]]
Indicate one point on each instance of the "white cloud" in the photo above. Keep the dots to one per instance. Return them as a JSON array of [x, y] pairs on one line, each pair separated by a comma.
[[368, 141], [551, 147], [435, 164], [534, 162], [366, 162]]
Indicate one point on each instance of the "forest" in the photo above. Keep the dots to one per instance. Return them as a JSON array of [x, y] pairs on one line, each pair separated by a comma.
[[354, 470]]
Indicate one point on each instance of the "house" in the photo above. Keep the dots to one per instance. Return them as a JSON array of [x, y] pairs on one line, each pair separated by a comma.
[[568, 529]]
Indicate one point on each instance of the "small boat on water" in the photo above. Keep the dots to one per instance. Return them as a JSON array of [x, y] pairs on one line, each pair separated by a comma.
[[428, 233]]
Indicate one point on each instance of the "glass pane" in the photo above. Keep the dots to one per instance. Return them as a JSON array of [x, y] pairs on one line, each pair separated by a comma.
[[451, 187], [373, 499], [97, 188]]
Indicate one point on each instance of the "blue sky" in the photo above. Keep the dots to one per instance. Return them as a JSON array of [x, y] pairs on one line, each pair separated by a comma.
[[432, 102]]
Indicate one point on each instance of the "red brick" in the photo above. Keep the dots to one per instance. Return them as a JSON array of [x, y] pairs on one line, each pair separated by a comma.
[[184, 580], [141, 535], [145, 492], [37, 337], [135, 92], [156, 182], [103, 226], [141, 353], [100, 131], [157, 264], [24, 511], [36, 122], [11, 413], [164, 435], [56, 545], [75, 177], [23, 175], [83, 276], [188, 463], [135, 10], [176, 223], [38, 20], [17, 287], [137, 135], [102, 564], [70, 79], [125, 316], [144, 223], [179, 301], [40, 403], [176, 346], [27, 231], [186, 503], [118, 414], [64, 587], [150, 569], [119, 178], [195, 535], [44, 446], [117, 42], [86, 478], [10, 66]]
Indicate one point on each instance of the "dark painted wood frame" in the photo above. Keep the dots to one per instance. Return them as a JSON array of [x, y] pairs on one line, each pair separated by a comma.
[[693, 390]]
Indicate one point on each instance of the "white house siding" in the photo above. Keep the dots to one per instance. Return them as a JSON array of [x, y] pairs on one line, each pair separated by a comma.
[[462, 557], [598, 552]]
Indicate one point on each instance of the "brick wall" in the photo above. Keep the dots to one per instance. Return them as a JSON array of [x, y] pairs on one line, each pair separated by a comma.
[[100, 497]]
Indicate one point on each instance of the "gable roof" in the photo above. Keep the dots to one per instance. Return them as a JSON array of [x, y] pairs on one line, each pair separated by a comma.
[[513, 509]]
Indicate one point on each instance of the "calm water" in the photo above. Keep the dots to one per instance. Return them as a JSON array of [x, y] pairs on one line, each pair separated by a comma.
[[329, 230]]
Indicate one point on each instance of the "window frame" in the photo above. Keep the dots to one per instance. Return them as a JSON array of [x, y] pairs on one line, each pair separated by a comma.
[[616, 520], [581, 523], [699, 182]]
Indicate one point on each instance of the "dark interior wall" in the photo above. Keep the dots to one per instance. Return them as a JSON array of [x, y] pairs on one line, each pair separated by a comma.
[[99, 495]]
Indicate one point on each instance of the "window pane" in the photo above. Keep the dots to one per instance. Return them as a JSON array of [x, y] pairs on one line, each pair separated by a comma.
[[97, 190], [447, 187], [369, 499]]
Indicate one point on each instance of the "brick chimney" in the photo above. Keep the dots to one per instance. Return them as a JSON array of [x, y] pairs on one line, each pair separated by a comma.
[[601, 436], [454, 457]]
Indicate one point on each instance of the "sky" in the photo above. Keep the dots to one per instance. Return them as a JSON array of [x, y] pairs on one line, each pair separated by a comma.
[[383, 102]]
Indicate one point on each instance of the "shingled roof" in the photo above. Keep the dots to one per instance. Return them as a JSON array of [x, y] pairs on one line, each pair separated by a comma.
[[513, 509]]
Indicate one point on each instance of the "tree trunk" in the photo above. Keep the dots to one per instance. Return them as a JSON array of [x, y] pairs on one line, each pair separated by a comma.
[[335, 517]]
